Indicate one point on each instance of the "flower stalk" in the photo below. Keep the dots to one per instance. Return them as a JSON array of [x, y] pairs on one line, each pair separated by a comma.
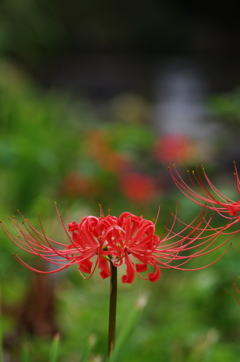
[[112, 309]]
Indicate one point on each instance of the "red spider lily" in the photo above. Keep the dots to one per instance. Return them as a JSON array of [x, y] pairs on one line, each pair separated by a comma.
[[201, 194], [127, 239]]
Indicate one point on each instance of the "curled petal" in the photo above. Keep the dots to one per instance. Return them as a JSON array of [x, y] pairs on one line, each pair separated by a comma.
[[73, 226], [153, 277], [129, 278], [103, 265]]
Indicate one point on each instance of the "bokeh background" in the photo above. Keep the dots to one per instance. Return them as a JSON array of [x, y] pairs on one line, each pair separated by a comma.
[[96, 99]]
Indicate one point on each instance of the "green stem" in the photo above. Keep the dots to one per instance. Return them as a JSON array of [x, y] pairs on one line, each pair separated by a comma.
[[112, 309]]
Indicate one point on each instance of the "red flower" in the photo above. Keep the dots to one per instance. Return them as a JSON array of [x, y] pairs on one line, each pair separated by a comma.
[[127, 239], [175, 147], [137, 187], [212, 199]]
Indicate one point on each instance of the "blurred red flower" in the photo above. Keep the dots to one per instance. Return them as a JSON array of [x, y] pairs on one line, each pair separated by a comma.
[[177, 148], [139, 188]]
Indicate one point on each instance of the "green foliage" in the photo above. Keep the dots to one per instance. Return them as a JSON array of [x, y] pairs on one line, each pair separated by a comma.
[[227, 107], [54, 352]]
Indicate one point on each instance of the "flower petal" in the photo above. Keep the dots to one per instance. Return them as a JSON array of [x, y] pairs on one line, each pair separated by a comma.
[[103, 264], [141, 268], [85, 266], [153, 277], [73, 226], [129, 278]]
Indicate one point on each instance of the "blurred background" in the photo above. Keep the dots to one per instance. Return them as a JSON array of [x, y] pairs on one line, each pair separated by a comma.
[[96, 99]]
